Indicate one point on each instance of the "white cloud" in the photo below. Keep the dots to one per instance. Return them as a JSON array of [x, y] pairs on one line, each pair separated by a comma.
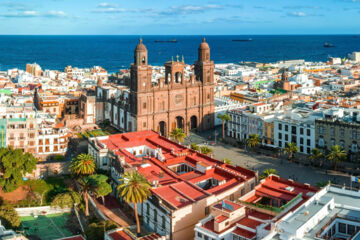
[[54, 13], [297, 14]]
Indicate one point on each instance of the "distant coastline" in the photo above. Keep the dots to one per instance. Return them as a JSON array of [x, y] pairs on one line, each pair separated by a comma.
[[113, 52]]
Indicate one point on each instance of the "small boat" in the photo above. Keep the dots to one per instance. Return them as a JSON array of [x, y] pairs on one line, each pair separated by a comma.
[[328, 45], [242, 40], [166, 41]]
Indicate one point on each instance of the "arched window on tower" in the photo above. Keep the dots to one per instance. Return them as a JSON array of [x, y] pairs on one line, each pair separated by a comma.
[[143, 60], [178, 77]]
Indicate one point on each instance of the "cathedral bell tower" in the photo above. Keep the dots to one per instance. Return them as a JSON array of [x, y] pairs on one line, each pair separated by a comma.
[[141, 72], [204, 67]]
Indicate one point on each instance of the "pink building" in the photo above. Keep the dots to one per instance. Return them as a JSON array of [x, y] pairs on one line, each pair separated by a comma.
[[254, 215], [185, 183]]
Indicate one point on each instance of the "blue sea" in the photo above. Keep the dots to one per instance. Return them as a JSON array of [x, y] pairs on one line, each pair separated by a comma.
[[116, 52]]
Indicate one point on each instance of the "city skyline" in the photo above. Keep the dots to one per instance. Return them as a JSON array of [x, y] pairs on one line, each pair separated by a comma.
[[63, 17]]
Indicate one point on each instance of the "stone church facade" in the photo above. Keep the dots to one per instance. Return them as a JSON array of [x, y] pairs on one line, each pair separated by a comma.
[[171, 102]]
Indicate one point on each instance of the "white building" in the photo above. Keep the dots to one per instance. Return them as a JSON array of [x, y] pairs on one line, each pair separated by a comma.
[[355, 56], [298, 126], [332, 213]]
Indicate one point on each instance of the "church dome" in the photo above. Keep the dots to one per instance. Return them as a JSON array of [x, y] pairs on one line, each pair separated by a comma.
[[140, 46], [204, 45]]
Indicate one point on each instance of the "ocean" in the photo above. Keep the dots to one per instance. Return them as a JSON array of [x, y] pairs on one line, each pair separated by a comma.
[[116, 52]]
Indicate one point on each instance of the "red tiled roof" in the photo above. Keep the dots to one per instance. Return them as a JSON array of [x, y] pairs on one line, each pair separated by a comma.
[[120, 235], [177, 190], [248, 222], [221, 218]]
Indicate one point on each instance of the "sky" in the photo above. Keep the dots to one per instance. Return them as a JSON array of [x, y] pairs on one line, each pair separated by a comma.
[[179, 17]]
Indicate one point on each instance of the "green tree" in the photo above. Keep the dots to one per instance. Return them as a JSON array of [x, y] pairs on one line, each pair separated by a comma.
[[134, 188], [103, 187], [66, 199], [9, 217], [40, 188], [178, 135], [82, 165], [87, 184], [253, 141], [316, 156], [336, 155], [223, 117], [95, 230], [291, 149], [206, 150], [227, 161], [268, 172], [195, 147], [14, 164]]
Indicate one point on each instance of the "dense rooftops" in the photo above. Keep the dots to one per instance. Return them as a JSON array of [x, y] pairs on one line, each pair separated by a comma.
[[254, 214], [179, 175]]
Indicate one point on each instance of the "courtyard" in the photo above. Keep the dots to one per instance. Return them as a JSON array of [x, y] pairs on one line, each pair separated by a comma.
[[259, 162]]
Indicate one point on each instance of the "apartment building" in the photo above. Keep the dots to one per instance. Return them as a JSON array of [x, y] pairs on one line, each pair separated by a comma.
[[297, 126], [331, 213], [339, 127], [255, 215], [185, 183], [251, 119], [52, 140]]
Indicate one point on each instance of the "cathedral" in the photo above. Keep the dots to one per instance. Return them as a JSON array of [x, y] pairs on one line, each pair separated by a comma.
[[171, 102]]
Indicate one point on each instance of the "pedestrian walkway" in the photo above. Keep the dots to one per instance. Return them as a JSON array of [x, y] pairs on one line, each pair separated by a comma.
[[112, 210]]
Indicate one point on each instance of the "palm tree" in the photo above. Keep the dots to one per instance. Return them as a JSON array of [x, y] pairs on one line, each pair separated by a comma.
[[227, 161], [253, 141], [194, 147], [206, 150], [268, 172], [178, 135], [291, 149], [223, 117], [134, 188], [336, 155], [87, 184], [82, 165], [316, 156]]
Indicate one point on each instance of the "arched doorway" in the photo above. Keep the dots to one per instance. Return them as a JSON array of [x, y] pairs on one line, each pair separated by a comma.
[[180, 122], [162, 128], [193, 122]]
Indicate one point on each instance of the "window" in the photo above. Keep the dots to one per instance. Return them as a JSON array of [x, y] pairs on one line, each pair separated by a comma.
[[308, 132], [206, 237], [207, 210], [163, 222], [232, 197], [199, 235], [252, 186], [301, 149], [280, 143], [104, 161], [353, 135], [342, 228], [351, 229], [286, 137], [342, 132], [144, 124], [280, 126], [293, 129], [147, 209], [308, 142], [155, 215], [280, 135], [301, 131], [286, 128], [301, 141], [308, 150], [242, 192], [332, 131]]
